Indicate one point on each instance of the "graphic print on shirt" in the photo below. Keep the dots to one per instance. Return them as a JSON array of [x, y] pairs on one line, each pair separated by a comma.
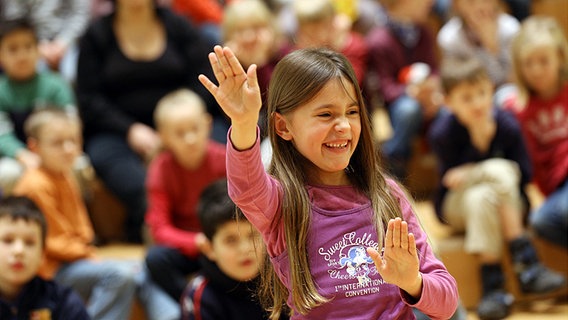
[[351, 270], [550, 125]]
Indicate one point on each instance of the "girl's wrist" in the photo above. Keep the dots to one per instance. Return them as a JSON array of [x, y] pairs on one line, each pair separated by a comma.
[[415, 289]]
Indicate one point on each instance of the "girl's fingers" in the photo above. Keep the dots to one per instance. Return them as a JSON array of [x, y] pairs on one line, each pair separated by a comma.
[[404, 235], [210, 86], [216, 66], [412, 244], [252, 79], [223, 60], [375, 255], [233, 62], [396, 233], [388, 236]]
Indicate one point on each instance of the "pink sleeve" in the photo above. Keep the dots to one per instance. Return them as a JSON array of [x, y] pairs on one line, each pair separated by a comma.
[[257, 194], [439, 298]]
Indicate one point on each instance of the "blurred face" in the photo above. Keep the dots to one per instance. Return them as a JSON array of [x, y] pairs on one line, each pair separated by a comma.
[[540, 68], [252, 41], [19, 54], [185, 132], [21, 253], [238, 250], [470, 10], [471, 102], [317, 34], [59, 145], [325, 130]]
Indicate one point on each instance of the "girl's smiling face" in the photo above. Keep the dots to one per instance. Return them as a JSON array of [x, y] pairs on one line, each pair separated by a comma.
[[325, 130]]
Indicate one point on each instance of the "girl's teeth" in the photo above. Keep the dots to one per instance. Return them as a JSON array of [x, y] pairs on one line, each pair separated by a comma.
[[335, 145]]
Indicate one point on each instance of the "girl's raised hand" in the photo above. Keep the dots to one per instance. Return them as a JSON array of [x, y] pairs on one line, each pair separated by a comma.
[[238, 92], [399, 263]]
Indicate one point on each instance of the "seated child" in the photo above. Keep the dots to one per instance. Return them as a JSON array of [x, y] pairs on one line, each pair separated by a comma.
[[226, 285], [404, 41], [484, 168], [176, 178], [70, 257], [23, 294], [542, 111], [23, 89]]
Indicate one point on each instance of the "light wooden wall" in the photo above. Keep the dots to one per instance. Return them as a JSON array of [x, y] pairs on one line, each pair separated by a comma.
[[554, 8]]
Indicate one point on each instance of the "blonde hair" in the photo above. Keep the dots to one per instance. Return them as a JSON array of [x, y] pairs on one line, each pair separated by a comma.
[[181, 98], [297, 78], [44, 116], [537, 30], [310, 11], [252, 11]]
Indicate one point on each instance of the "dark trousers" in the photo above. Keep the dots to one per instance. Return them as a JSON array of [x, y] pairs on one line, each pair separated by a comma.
[[123, 172], [169, 269]]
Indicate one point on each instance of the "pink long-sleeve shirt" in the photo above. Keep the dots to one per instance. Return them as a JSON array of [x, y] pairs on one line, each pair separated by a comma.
[[341, 229]]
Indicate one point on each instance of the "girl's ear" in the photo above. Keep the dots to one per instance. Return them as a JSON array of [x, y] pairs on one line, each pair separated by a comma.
[[281, 126]]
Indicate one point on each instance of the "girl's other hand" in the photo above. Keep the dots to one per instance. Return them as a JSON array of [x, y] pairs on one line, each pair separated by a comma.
[[399, 264]]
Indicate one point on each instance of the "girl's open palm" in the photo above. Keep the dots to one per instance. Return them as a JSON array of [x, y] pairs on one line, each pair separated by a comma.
[[399, 263], [238, 92]]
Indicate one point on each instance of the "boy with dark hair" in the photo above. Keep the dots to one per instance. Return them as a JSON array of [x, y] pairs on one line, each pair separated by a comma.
[[484, 168], [233, 252], [23, 89], [23, 294]]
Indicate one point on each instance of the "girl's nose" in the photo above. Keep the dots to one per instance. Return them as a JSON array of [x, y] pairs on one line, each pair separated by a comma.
[[342, 124]]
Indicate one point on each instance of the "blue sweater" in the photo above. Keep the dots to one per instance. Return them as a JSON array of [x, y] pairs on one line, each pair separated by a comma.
[[42, 297]]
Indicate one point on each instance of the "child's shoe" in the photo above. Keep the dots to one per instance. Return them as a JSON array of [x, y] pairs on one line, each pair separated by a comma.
[[495, 305], [539, 279]]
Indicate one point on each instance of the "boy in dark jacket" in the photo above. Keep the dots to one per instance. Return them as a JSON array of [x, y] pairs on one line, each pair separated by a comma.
[[24, 295], [226, 286]]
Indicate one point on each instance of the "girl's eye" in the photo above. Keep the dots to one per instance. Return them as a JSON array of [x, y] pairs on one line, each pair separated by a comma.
[[353, 112], [324, 115]]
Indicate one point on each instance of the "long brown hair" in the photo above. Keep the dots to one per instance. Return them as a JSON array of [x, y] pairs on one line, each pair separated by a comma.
[[297, 78]]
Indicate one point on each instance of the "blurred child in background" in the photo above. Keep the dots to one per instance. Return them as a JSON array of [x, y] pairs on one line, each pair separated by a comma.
[[484, 168], [540, 61], [403, 42], [23, 294], [227, 284], [481, 30], [319, 25], [176, 178], [23, 88], [70, 257]]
